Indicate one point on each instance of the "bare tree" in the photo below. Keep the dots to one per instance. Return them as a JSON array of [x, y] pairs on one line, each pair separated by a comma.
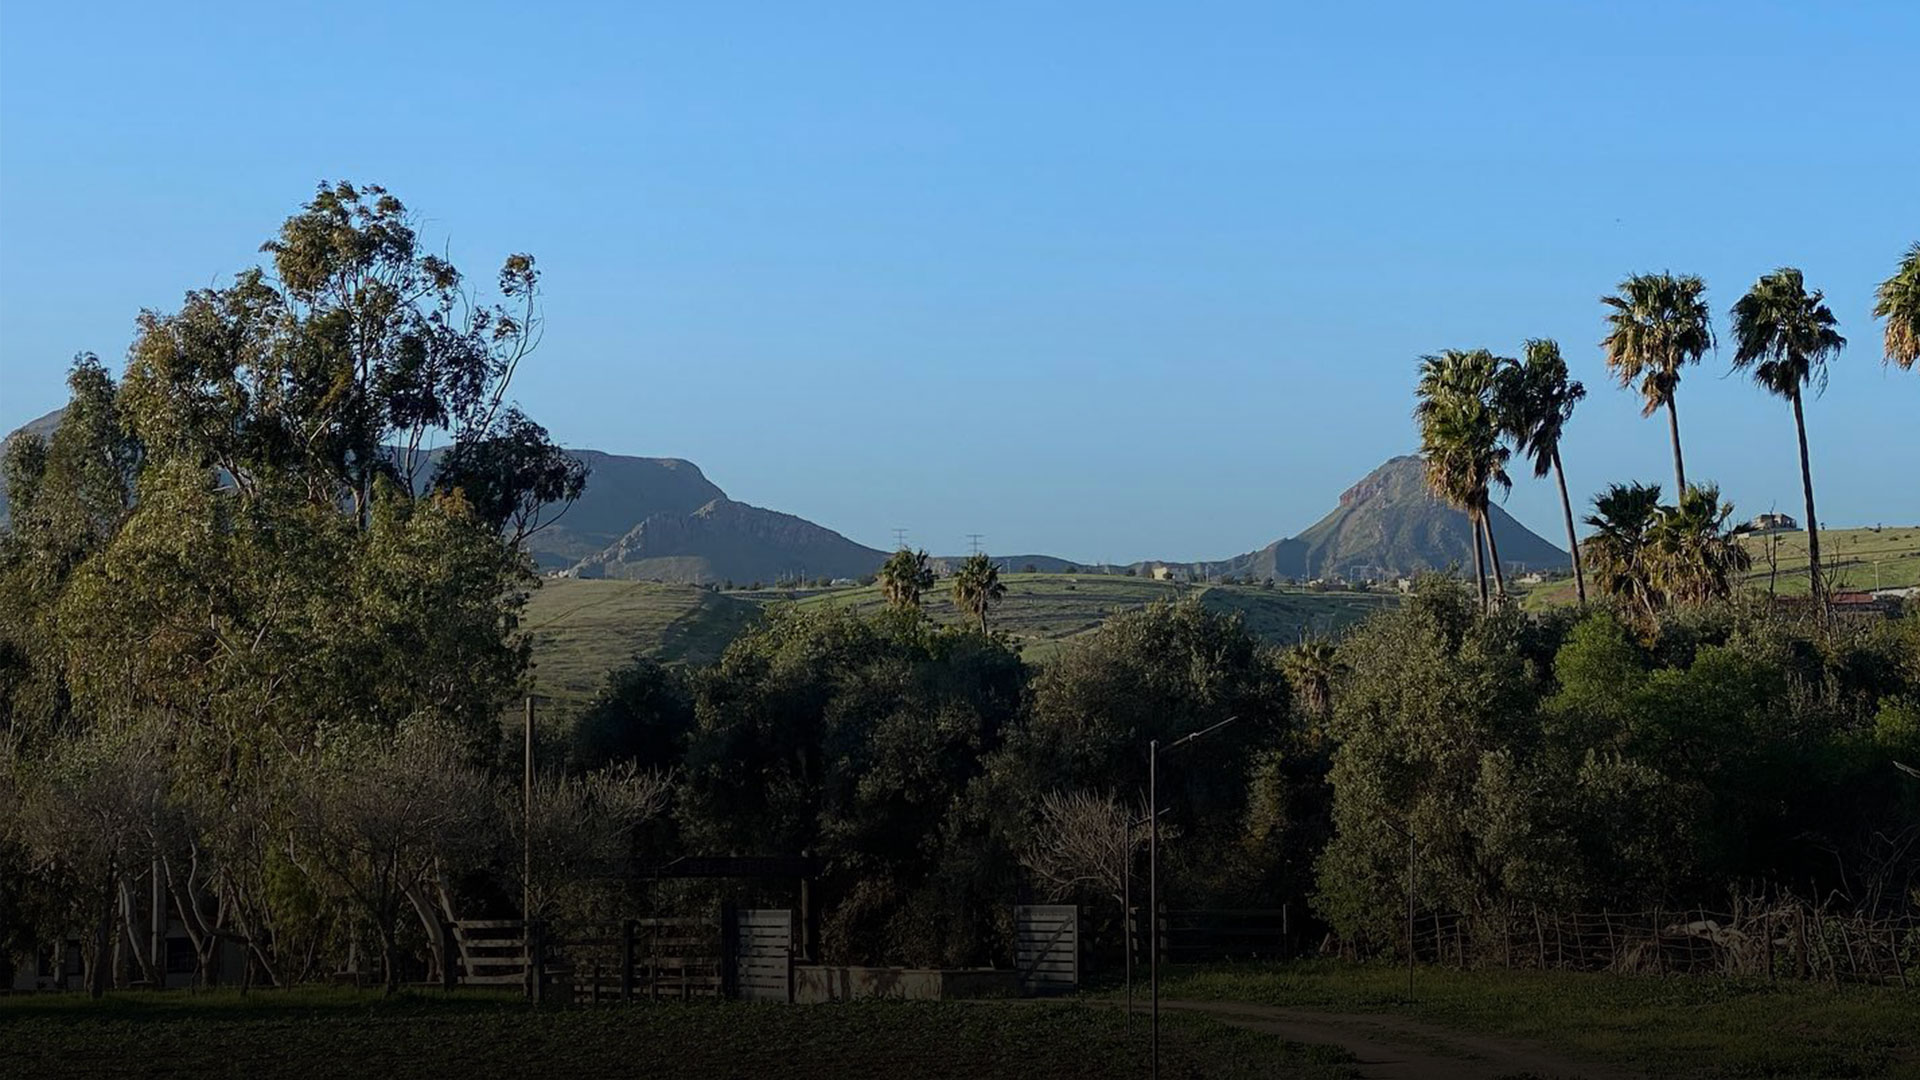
[[377, 816], [86, 815], [581, 825], [1081, 842]]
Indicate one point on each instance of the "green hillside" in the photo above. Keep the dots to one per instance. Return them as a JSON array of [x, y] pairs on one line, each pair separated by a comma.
[[584, 629], [1877, 558]]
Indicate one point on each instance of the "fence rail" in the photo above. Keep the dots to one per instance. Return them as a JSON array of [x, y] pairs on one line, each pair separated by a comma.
[[1757, 940]]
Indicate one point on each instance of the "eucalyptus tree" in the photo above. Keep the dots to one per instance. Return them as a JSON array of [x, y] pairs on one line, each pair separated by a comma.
[[1535, 398], [1460, 444], [904, 577], [1897, 301], [1621, 548], [977, 587], [1659, 324], [1786, 335]]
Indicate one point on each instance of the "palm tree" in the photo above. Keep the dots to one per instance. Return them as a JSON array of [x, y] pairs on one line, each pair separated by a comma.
[[1535, 400], [904, 577], [1898, 302], [1786, 335], [1698, 558], [1311, 667], [1460, 443], [1621, 549], [976, 587], [1660, 324]]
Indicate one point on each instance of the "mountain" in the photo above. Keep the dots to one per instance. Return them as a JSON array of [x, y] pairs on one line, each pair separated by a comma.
[[726, 540], [1389, 525]]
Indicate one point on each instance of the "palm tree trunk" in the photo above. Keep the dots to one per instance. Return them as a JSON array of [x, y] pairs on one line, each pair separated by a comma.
[[1573, 542], [1479, 563], [1814, 581], [1493, 556], [1679, 466]]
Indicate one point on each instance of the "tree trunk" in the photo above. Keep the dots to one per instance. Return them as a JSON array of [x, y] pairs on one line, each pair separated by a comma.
[[1479, 561], [1815, 581], [1573, 541], [1679, 465], [1493, 556]]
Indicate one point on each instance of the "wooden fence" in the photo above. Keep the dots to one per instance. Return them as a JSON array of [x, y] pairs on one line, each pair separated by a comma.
[[640, 958], [1757, 940], [1197, 935]]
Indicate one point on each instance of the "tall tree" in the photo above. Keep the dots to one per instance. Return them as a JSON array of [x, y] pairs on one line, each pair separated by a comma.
[[977, 587], [1460, 443], [1659, 324], [1898, 302], [1786, 334], [904, 577], [1536, 399], [1621, 547]]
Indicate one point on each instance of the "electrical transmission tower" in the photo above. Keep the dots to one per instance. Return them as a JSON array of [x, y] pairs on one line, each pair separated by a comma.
[[973, 541]]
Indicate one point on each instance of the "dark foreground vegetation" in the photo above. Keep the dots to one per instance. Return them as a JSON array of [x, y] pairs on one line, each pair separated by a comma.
[[322, 1033], [1658, 1027]]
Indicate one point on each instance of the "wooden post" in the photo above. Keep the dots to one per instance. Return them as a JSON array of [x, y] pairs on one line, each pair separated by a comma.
[[729, 950], [1801, 967], [448, 960], [1540, 937], [536, 961], [626, 961], [593, 995]]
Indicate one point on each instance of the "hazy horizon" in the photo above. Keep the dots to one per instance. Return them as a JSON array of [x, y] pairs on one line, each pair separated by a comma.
[[1098, 283]]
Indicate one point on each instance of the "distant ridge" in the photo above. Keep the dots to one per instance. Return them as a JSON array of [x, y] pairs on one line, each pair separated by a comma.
[[1389, 525]]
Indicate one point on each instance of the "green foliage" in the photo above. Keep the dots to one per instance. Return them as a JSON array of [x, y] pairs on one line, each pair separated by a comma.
[[903, 577], [856, 740], [1897, 301], [1603, 765], [977, 587]]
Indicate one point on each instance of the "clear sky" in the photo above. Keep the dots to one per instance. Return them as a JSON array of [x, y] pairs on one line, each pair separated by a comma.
[[1106, 280]]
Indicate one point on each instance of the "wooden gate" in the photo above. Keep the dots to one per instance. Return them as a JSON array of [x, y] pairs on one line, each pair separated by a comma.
[[763, 955], [1046, 947], [490, 952]]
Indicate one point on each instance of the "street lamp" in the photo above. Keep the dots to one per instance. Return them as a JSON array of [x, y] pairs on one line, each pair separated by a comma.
[[1153, 871]]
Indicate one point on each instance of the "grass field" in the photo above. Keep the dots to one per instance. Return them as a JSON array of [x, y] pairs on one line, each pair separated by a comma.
[[582, 630], [338, 1033], [1044, 611], [1874, 558], [1679, 1027]]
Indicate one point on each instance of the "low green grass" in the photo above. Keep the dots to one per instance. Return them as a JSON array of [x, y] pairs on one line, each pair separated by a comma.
[[340, 1033], [1043, 612], [1873, 558], [1855, 559], [582, 630], [1675, 1027]]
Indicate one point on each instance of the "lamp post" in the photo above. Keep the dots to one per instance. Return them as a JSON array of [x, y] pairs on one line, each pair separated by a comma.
[[1153, 872]]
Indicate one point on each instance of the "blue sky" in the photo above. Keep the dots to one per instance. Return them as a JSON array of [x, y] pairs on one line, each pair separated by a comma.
[[1105, 280]]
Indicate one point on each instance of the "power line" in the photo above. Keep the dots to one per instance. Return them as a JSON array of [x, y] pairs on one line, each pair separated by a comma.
[[899, 539], [974, 539]]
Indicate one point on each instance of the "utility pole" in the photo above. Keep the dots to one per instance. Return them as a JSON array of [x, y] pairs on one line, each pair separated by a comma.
[[973, 542], [1153, 893], [526, 862], [1153, 872], [899, 539]]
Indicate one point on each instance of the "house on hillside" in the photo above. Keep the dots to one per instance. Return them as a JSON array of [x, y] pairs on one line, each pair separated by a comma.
[[1866, 604], [1766, 523], [1168, 573]]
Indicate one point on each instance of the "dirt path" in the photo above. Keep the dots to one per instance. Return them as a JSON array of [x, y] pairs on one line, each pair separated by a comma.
[[1395, 1048]]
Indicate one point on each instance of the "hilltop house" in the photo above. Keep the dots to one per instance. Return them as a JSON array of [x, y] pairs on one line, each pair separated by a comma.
[[1766, 523]]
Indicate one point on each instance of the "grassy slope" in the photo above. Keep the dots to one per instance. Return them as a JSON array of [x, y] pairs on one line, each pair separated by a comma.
[[1855, 559], [582, 630], [337, 1033], [1682, 1027], [1044, 611]]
